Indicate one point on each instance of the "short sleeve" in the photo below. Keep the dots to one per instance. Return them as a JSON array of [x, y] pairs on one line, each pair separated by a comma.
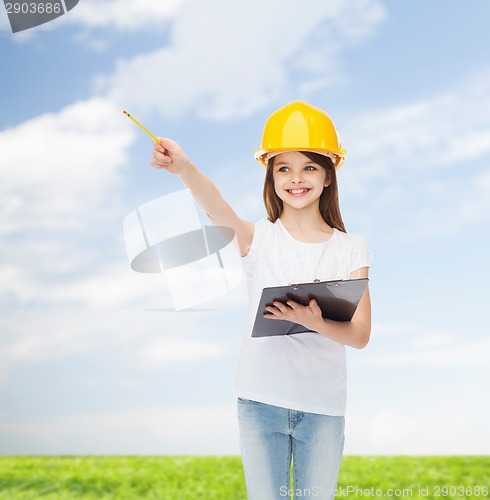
[[360, 256], [260, 228]]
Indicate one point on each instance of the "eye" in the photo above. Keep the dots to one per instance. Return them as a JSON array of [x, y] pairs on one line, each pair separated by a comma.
[[282, 169], [310, 167]]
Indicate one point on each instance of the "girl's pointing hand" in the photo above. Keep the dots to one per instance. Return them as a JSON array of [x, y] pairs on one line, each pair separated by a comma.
[[168, 155]]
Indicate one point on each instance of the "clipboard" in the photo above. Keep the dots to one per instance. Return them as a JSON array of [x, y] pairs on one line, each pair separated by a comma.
[[338, 300]]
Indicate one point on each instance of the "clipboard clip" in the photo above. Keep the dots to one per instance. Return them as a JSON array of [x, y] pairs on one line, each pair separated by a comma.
[[332, 282], [304, 282]]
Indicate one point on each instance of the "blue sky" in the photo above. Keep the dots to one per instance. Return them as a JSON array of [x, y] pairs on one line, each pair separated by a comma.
[[89, 360]]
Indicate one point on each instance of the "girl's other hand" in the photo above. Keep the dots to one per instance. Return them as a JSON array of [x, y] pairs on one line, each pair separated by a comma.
[[310, 316], [168, 155]]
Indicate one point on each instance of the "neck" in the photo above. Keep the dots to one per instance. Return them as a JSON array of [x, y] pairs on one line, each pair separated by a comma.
[[303, 220]]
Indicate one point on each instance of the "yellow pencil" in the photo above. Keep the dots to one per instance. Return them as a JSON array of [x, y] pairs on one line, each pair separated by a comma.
[[141, 126]]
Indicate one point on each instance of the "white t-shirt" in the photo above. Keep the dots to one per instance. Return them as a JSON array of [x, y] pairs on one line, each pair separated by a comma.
[[305, 371]]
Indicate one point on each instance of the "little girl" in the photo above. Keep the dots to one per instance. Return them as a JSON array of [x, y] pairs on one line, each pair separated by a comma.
[[291, 388]]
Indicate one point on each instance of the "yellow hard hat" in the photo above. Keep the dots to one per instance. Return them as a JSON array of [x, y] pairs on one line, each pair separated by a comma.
[[300, 127]]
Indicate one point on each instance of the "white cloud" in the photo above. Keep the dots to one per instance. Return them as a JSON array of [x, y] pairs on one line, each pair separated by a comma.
[[450, 129], [422, 161], [468, 353], [39, 335], [59, 175], [114, 286], [152, 430], [108, 310], [475, 205], [411, 344], [123, 15], [162, 352], [437, 340], [60, 168], [389, 431], [226, 60]]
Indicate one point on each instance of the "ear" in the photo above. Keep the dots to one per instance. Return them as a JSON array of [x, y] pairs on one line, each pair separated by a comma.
[[328, 179]]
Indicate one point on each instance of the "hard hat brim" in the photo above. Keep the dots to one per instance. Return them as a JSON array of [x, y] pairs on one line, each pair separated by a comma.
[[263, 156]]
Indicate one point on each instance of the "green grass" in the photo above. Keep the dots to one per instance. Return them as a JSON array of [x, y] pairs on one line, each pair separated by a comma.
[[417, 477], [212, 477]]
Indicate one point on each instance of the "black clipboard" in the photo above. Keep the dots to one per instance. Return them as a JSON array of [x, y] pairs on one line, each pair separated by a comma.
[[338, 300]]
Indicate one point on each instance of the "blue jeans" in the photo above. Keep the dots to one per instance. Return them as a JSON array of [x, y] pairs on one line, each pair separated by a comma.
[[270, 436]]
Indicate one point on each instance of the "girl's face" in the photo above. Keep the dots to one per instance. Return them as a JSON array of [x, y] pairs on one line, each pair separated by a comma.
[[298, 181]]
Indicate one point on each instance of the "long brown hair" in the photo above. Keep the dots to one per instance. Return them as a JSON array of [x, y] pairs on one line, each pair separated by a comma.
[[329, 199]]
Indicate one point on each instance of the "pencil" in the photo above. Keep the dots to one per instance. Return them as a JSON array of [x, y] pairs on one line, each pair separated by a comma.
[[141, 126]]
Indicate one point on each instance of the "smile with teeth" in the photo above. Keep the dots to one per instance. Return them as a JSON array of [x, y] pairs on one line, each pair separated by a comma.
[[298, 191]]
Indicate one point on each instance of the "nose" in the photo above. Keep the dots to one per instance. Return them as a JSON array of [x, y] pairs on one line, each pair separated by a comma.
[[296, 177]]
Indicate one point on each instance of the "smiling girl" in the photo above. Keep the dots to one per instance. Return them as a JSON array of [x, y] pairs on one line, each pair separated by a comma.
[[291, 389]]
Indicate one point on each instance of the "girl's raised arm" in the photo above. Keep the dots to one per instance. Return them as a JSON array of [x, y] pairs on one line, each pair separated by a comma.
[[168, 155]]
